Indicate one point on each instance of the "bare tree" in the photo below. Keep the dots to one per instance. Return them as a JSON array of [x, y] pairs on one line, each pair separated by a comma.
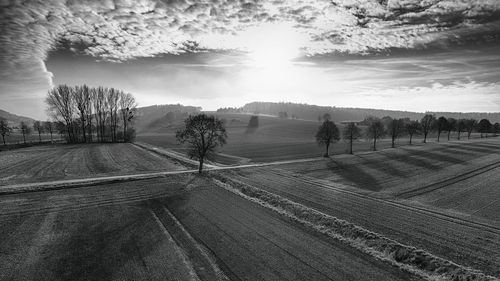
[[441, 124], [460, 127], [427, 123], [25, 130], [5, 129], [496, 129], [81, 95], [469, 125], [484, 127], [452, 125], [49, 127], [327, 117], [375, 130], [203, 134], [350, 133], [412, 127], [327, 134], [127, 110], [395, 127], [113, 96], [38, 126], [62, 107]]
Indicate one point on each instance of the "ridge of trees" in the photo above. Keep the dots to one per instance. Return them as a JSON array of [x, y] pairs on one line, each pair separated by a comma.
[[315, 112]]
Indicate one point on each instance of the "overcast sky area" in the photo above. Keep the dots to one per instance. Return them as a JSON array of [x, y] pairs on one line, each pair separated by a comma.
[[425, 55]]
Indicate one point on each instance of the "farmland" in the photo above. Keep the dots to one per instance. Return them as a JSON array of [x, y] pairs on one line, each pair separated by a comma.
[[275, 139], [455, 177], [44, 163], [117, 231], [438, 198]]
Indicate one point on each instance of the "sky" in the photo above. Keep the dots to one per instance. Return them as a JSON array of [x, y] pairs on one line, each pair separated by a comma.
[[427, 55]]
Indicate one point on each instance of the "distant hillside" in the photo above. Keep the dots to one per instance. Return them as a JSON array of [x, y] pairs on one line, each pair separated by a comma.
[[13, 119], [152, 118], [313, 112]]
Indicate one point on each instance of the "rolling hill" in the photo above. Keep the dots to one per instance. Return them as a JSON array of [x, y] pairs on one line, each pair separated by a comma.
[[13, 119]]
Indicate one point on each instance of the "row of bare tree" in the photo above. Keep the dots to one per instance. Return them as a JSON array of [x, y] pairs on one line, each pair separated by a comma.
[[92, 114], [377, 128]]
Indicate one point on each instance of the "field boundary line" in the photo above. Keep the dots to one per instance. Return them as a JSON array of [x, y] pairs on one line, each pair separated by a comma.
[[185, 260], [407, 258], [205, 266]]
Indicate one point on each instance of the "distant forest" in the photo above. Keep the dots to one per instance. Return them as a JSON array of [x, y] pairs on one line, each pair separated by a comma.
[[339, 114]]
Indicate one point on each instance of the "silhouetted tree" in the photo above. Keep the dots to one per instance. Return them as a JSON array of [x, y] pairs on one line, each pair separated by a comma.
[[460, 127], [5, 129], [351, 133], [62, 107], [496, 129], [412, 127], [426, 125], [203, 134], [283, 114], [327, 117], [37, 125], [484, 127], [81, 96], [441, 124], [452, 125], [25, 130], [375, 129], [127, 110], [253, 124], [469, 125], [49, 127], [395, 127], [327, 134]]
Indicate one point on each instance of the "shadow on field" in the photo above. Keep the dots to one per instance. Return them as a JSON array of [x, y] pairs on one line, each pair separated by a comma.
[[382, 167], [406, 159], [96, 250], [486, 149], [355, 174], [438, 157]]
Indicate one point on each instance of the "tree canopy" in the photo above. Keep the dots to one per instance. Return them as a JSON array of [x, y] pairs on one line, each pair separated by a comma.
[[327, 134], [203, 134]]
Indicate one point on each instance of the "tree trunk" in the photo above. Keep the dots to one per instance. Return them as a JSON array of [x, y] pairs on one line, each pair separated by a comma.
[[458, 136], [39, 137], [411, 136], [374, 143], [3, 138], [201, 165], [439, 135], [24, 137], [392, 144], [327, 146], [425, 137], [449, 134], [351, 144]]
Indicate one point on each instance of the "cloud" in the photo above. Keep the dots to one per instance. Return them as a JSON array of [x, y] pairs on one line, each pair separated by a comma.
[[126, 29], [122, 30]]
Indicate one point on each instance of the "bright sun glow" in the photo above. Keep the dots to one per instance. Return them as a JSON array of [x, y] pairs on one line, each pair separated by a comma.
[[272, 45]]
